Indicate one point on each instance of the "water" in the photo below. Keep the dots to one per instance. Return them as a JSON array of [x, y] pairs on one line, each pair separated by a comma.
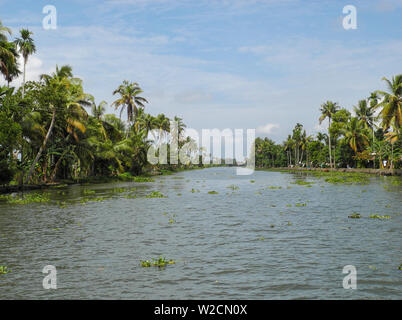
[[237, 244]]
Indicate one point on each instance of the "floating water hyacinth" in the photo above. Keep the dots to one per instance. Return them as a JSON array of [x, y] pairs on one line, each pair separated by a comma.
[[355, 216], [155, 194], [212, 192], [376, 216], [161, 262], [29, 198], [4, 270]]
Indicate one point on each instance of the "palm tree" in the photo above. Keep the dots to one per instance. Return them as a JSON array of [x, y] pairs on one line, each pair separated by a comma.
[[129, 99], [391, 104], [364, 113], [328, 109], [26, 48], [355, 134], [98, 110], [180, 126], [8, 61], [68, 106], [163, 124], [4, 31], [5, 54]]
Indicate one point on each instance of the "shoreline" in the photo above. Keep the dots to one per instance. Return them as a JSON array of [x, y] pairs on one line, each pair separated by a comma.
[[380, 172], [91, 180]]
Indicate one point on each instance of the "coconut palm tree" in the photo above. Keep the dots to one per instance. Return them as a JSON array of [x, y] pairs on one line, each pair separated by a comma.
[[26, 47], [355, 134], [98, 110], [8, 61], [163, 125], [130, 99], [365, 114], [327, 110], [391, 112]]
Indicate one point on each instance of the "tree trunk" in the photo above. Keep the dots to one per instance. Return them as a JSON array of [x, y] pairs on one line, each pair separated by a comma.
[[23, 80], [43, 146], [329, 142]]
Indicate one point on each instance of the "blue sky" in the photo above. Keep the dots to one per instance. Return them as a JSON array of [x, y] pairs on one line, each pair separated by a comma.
[[264, 64]]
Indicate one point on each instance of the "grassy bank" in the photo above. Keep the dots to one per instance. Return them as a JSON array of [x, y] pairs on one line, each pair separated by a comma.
[[146, 177], [342, 171]]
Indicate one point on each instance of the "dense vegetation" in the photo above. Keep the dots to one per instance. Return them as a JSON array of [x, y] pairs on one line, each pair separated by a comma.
[[47, 134], [370, 138]]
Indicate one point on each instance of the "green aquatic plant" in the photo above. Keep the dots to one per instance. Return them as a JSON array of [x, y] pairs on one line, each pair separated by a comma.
[[5, 197], [30, 198], [161, 262], [88, 192], [301, 204], [155, 194], [59, 186], [261, 238], [130, 196], [177, 178], [376, 216], [194, 190], [355, 215], [171, 220], [143, 179], [62, 204], [272, 226], [289, 205], [4, 270], [212, 192], [303, 183], [252, 181], [400, 267], [273, 187]]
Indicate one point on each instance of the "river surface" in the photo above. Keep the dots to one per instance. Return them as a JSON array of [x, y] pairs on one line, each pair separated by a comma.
[[246, 242]]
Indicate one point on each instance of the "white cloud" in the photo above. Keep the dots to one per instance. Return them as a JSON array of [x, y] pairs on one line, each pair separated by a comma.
[[268, 128]]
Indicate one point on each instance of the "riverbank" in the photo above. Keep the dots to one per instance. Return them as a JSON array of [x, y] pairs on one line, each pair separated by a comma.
[[147, 177], [381, 172]]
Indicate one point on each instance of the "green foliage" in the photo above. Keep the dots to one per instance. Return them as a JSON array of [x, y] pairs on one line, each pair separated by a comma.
[[4, 270], [160, 262], [29, 198], [155, 194], [376, 216], [355, 215]]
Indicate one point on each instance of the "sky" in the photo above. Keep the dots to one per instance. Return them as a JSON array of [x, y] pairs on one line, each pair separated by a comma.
[[238, 64]]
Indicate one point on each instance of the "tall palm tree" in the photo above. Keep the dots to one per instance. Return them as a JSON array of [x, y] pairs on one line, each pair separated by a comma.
[[180, 126], [130, 99], [365, 114], [355, 134], [26, 48], [391, 104], [327, 110], [163, 124]]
